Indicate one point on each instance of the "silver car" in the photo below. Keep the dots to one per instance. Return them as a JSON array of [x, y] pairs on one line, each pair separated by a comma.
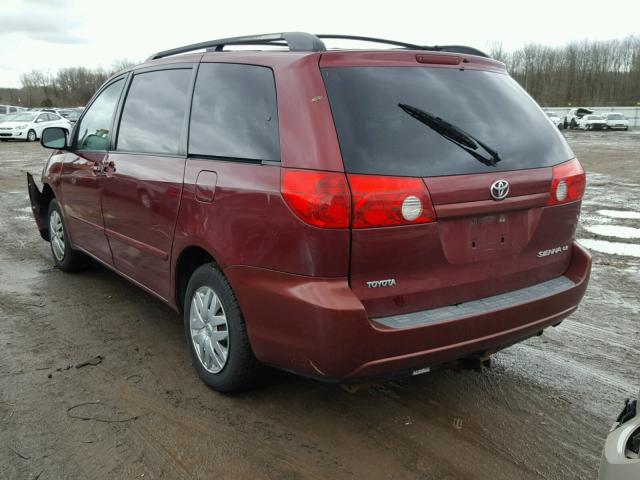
[[621, 454]]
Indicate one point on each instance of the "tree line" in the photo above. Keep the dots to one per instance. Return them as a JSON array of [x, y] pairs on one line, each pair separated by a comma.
[[590, 73], [68, 87]]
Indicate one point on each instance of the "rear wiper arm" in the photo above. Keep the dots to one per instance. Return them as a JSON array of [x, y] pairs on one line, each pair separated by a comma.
[[454, 134]]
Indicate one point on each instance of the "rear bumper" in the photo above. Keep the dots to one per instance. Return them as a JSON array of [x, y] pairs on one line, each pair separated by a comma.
[[318, 327]]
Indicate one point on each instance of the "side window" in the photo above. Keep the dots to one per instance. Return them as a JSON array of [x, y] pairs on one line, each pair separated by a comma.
[[41, 118], [234, 113], [154, 112], [12, 109], [93, 131], [53, 117]]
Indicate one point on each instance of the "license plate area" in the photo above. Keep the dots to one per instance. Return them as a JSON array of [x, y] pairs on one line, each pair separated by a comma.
[[487, 237]]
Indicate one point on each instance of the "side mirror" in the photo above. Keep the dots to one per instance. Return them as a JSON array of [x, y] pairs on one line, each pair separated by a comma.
[[55, 137]]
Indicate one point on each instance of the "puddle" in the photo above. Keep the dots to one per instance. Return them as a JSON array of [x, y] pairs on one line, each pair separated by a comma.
[[620, 214], [614, 231], [613, 248]]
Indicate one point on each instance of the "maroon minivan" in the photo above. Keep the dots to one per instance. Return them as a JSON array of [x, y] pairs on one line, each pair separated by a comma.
[[339, 214]]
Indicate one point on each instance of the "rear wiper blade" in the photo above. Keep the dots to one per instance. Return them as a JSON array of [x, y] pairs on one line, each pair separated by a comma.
[[454, 134]]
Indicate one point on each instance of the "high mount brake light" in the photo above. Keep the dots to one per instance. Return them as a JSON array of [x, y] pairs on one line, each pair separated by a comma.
[[568, 183], [385, 201], [320, 199]]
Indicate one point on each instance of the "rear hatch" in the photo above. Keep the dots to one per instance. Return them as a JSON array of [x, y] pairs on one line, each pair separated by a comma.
[[425, 139]]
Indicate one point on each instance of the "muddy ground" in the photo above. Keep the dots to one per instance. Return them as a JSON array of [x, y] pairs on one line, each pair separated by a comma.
[[542, 411]]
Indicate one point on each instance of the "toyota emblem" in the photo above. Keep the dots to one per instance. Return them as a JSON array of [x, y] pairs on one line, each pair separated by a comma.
[[499, 189]]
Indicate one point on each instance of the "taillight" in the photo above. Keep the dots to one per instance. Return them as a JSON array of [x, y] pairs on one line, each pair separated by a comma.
[[320, 199], [568, 183], [384, 201]]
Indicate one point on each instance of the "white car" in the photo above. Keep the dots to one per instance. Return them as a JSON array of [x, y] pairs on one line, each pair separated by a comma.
[[555, 119], [592, 122], [29, 125], [615, 120], [621, 454], [574, 115]]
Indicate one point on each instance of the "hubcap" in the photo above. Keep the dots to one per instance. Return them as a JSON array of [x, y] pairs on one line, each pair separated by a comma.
[[56, 235], [209, 329]]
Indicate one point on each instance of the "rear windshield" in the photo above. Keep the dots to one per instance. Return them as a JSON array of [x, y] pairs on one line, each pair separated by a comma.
[[378, 137], [615, 116]]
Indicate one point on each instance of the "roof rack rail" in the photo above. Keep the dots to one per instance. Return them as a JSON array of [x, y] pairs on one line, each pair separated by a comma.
[[304, 42], [296, 41], [410, 46]]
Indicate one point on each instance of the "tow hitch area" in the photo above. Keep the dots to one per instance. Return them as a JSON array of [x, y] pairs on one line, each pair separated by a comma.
[[35, 197]]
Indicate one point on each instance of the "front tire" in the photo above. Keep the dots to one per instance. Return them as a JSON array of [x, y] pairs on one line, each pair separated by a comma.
[[31, 136], [216, 332], [65, 258]]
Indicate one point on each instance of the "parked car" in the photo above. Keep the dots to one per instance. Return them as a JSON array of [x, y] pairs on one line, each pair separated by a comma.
[[621, 453], [615, 120], [555, 119], [574, 115], [339, 214], [592, 122], [29, 126], [72, 115], [7, 109]]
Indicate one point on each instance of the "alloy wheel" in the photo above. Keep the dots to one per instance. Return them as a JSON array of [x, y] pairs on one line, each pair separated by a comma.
[[56, 235], [209, 329]]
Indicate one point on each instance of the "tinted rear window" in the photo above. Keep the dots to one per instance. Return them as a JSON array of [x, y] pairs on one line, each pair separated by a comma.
[[234, 113], [377, 137], [154, 112]]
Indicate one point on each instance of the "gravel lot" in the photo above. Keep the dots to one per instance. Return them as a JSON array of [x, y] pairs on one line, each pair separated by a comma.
[[542, 411]]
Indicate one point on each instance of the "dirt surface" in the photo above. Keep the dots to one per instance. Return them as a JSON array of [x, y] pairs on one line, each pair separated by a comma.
[[542, 411]]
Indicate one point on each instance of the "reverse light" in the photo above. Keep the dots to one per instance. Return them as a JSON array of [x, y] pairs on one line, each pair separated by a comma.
[[380, 201], [568, 183], [320, 199]]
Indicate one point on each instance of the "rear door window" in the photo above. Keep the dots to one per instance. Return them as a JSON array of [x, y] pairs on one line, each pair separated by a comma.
[[378, 137], [234, 113], [154, 112]]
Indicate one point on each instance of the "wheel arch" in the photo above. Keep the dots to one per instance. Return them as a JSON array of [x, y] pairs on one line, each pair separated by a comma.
[[188, 261]]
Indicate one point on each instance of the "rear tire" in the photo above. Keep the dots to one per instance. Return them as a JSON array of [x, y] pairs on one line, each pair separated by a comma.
[[64, 257], [216, 332]]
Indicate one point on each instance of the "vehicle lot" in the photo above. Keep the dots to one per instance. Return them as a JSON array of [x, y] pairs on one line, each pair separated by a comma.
[[542, 411]]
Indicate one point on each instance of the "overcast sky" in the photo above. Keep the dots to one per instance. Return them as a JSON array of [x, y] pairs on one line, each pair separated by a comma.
[[49, 34]]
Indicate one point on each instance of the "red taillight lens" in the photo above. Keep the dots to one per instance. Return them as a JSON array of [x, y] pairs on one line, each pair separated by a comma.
[[320, 199], [568, 183], [385, 201]]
